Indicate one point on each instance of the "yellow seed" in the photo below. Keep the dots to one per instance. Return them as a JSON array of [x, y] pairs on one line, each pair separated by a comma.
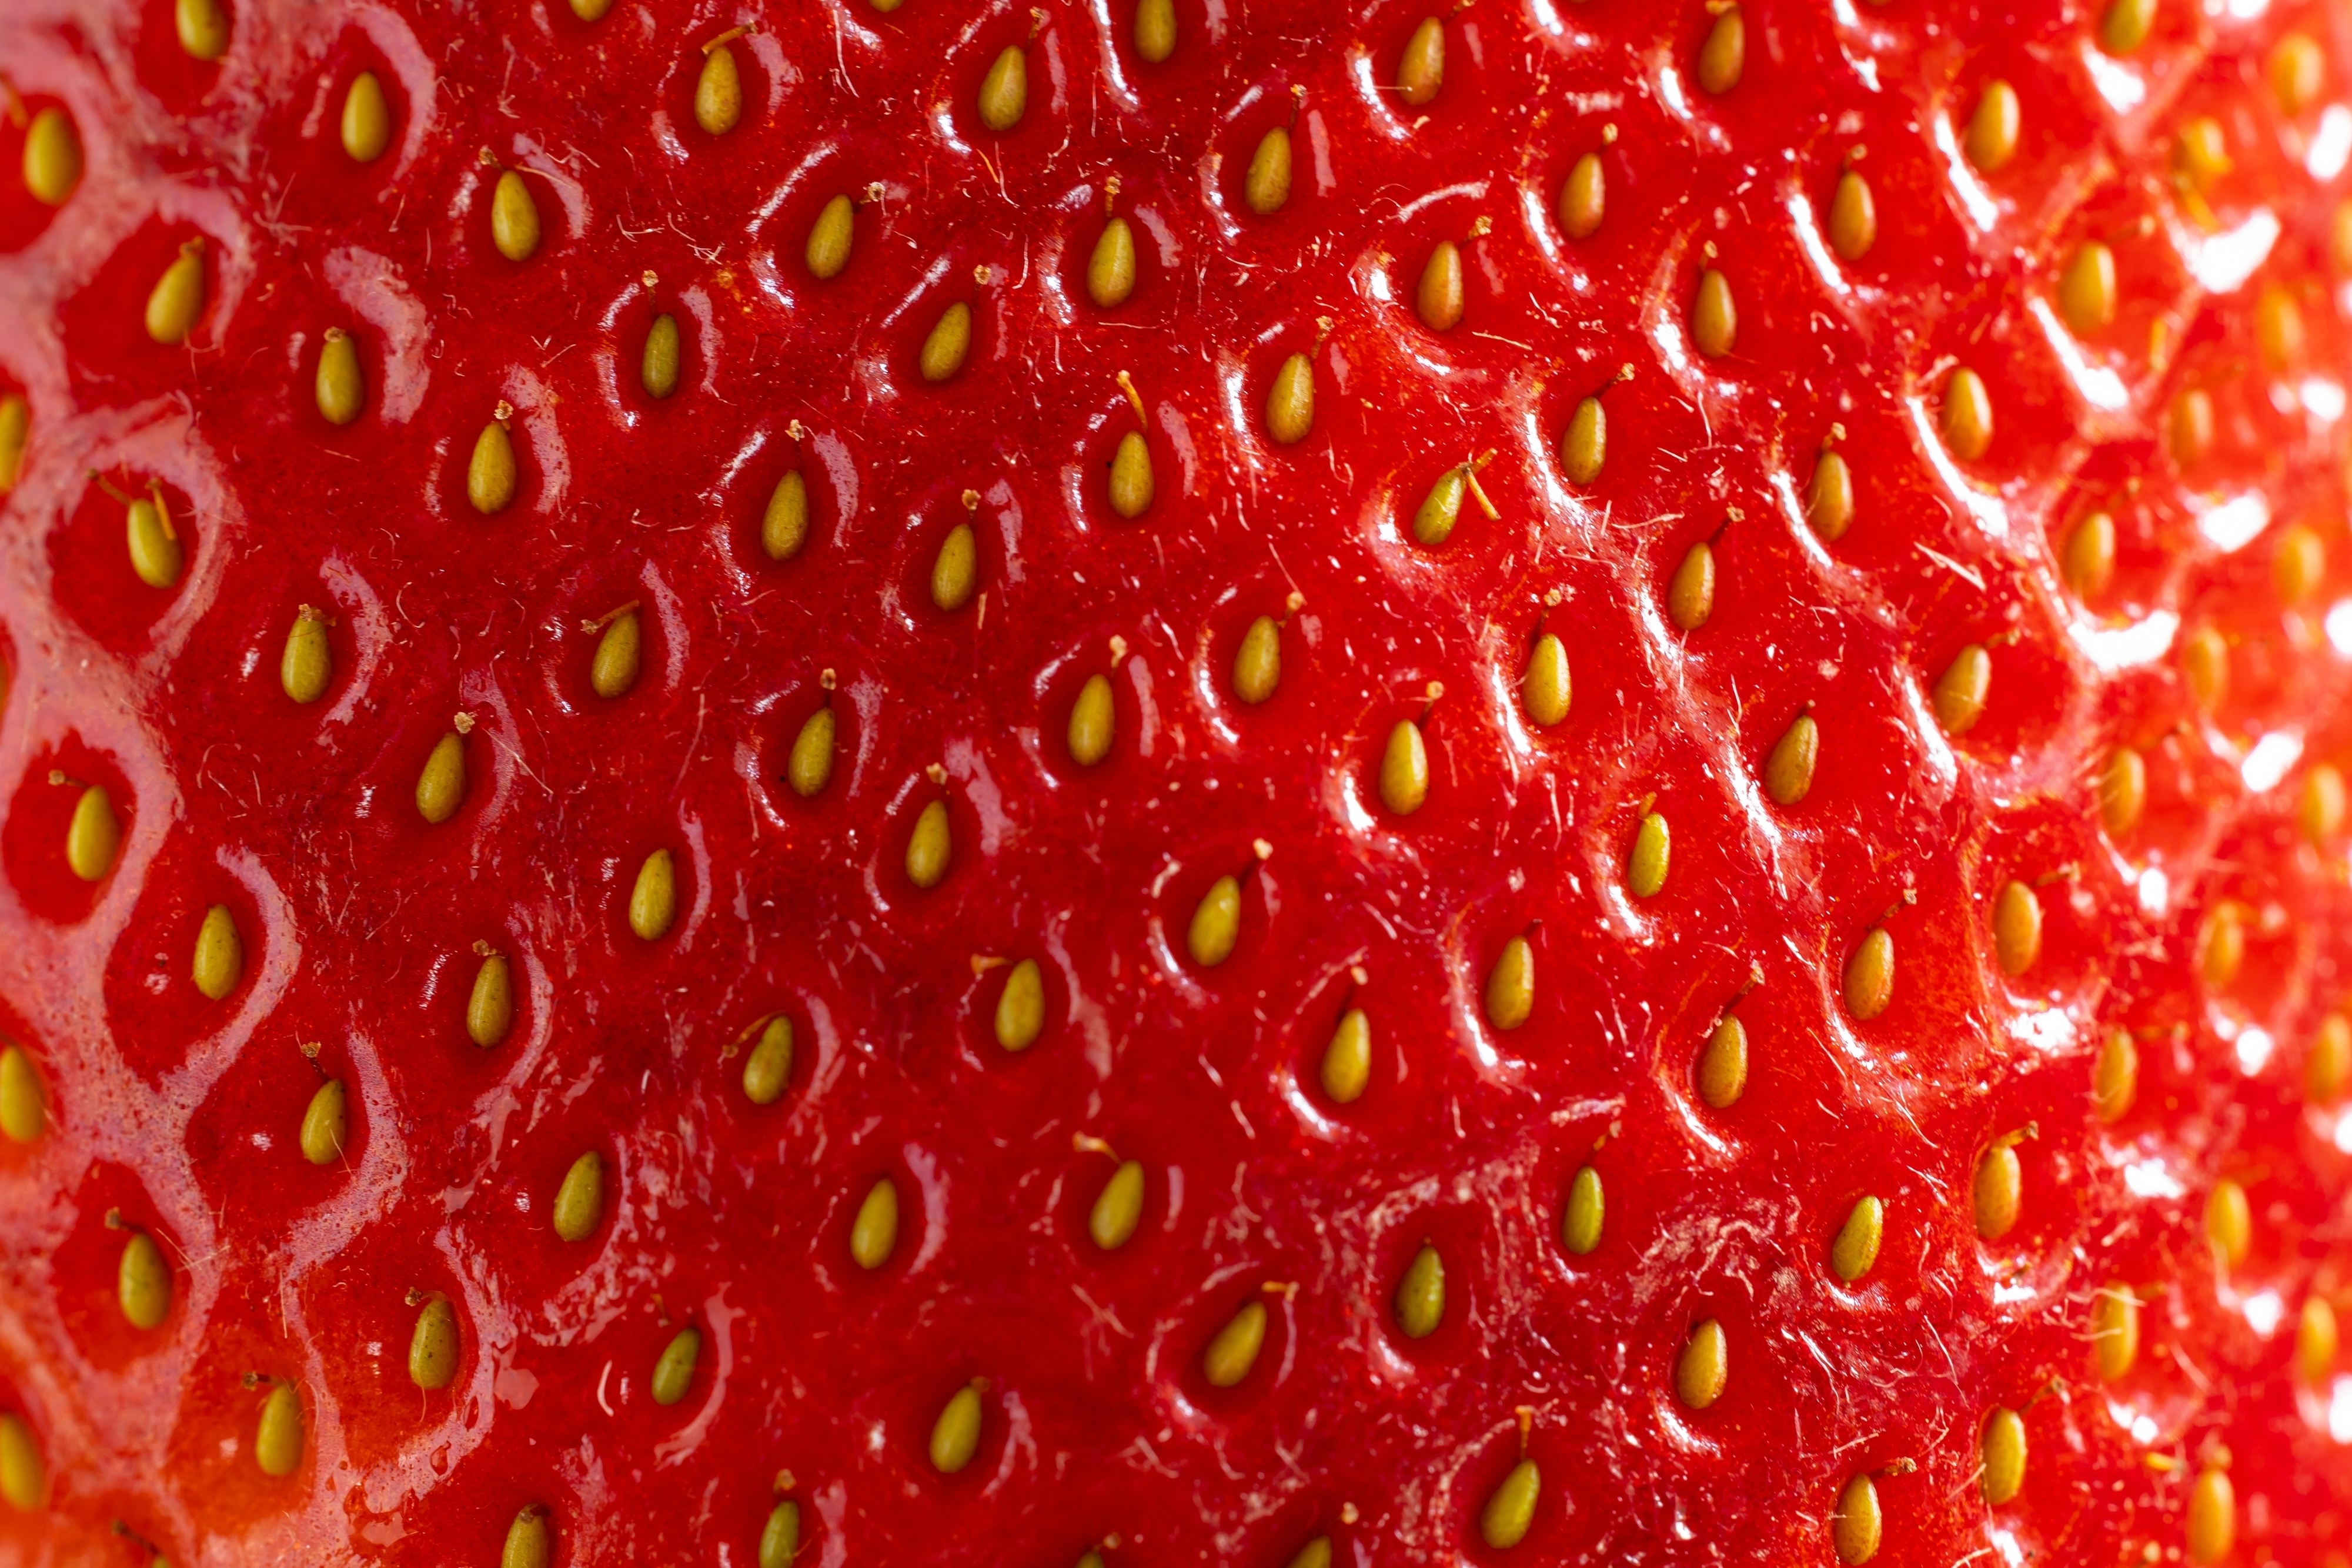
[[2003, 1450], [955, 1435], [1544, 689], [1316, 1553], [1690, 596], [367, 119], [673, 1374], [618, 650], [278, 1435], [22, 1475], [1701, 1370], [2315, 1341], [1991, 140], [2089, 562], [929, 847], [1853, 217], [718, 93], [784, 526], [1266, 187], [1092, 718], [768, 1071], [2213, 1512], [2278, 328], [1405, 770], [1130, 477], [94, 835], [23, 1111], [441, 785], [1725, 53], [52, 157], [1005, 92], [1854, 1527], [1421, 71], [220, 954], [492, 477], [1510, 1511], [325, 1125], [1584, 446], [2229, 1222], [2299, 72], [1870, 975], [1155, 29], [1714, 320], [2224, 949], [202, 26], [579, 1201], [2329, 1067], [1723, 1064], [1580, 1220], [2188, 430], [829, 238], [1961, 689], [1645, 869], [514, 218], [1421, 1294], [1118, 1208], [1511, 985], [1021, 1006], [2123, 791], [2126, 25], [2205, 662], [1110, 271], [2115, 1077], [2114, 1331], [873, 1235], [1290, 402], [1789, 770], [2300, 566], [2320, 812], [2016, 929], [810, 767], [142, 1282], [780, 1541], [178, 297], [1829, 500], [490, 1005], [16, 429], [1216, 923], [587, 11], [657, 369], [653, 897], [433, 1345], [157, 552], [339, 389], [1234, 1351], [1347, 1059], [2086, 291], [1432, 523], [950, 339], [1438, 299], [1257, 663], [2000, 1191], [1856, 1246], [1967, 415], [2339, 244], [530, 1541], [955, 572], [1583, 197]]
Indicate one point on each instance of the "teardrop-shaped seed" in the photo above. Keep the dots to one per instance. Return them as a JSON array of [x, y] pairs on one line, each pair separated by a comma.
[[955, 572], [1967, 415], [674, 1371], [339, 389], [2086, 291], [277, 1435], [53, 158], [780, 1541], [367, 119], [2089, 562], [21, 1474], [219, 960], [1316, 1553], [1235, 1349], [94, 835], [2123, 791], [1690, 596], [618, 652], [178, 297], [955, 1435], [530, 1540], [1438, 298], [1405, 770], [1580, 1220], [2229, 1222], [2205, 665], [657, 369], [1724, 54], [768, 1071], [1856, 1246], [441, 784], [579, 1201], [1544, 685], [1216, 923], [810, 767], [1266, 187], [1584, 446], [1991, 140], [829, 238], [2212, 1505], [2188, 430], [2114, 1078], [1347, 1066], [1723, 1064], [1130, 477], [1714, 320], [784, 529], [928, 848], [1257, 663], [16, 429], [1290, 402], [1870, 975], [2016, 929], [2315, 1341], [157, 552], [2300, 566], [1998, 1191], [433, 1345], [1789, 770], [142, 1282], [2223, 948], [325, 1125], [490, 1005], [1829, 500], [652, 898], [1854, 1527], [514, 218], [1118, 1208], [1583, 198], [1645, 868], [2329, 1067], [202, 28], [1703, 1368], [718, 93], [1511, 985], [1110, 271], [1421, 1294], [2003, 1448], [1021, 1006], [1961, 689], [1092, 718], [492, 476], [1853, 217], [23, 1109], [1421, 71], [1004, 92], [2278, 328], [2126, 25], [1155, 29], [1510, 1511], [2298, 73], [2114, 1331]]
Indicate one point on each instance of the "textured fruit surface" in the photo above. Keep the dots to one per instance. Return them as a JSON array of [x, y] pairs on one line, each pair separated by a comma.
[[471, 661]]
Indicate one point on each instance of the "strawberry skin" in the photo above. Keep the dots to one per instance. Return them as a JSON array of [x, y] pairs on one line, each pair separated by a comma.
[[563, 709]]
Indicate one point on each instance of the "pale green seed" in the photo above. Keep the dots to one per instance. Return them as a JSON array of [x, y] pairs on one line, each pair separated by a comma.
[[1856, 1246], [441, 785], [156, 551], [219, 961], [202, 26], [1789, 770], [657, 369], [1724, 56], [768, 1071], [1829, 500], [278, 1435], [1131, 483], [1853, 217], [1021, 1006], [1544, 687], [16, 429], [1645, 870], [1347, 1068], [1235, 1349], [810, 768], [325, 1125], [489, 1006], [21, 1474], [1110, 271], [674, 1373], [1118, 1208], [1510, 1511], [307, 663], [1961, 689], [94, 835], [1405, 770], [1511, 985], [1432, 523], [1290, 402], [2003, 1446], [1583, 198], [367, 119], [530, 1541], [781, 1539], [1854, 1527], [1870, 975], [830, 239], [1579, 1227], [618, 652], [23, 1110], [929, 847], [178, 297], [1723, 1065], [52, 157], [1421, 1294], [955, 573], [1422, 70], [492, 476], [1216, 923], [1702, 1370], [1004, 92], [1155, 29], [874, 1234], [1257, 663], [1092, 719], [1584, 447], [142, 1282], [1266, 187], [433, 1345], [955, 1435], [1715, 319], [784, 529], [1690, 594], [718, 93], [514, 218], [579, 1201], [653, 900]]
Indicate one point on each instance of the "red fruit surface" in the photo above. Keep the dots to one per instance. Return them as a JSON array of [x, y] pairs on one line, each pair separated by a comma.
[[2205, 919]]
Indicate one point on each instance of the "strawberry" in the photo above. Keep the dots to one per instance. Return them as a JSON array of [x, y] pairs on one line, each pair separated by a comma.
[[1143, 785]]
